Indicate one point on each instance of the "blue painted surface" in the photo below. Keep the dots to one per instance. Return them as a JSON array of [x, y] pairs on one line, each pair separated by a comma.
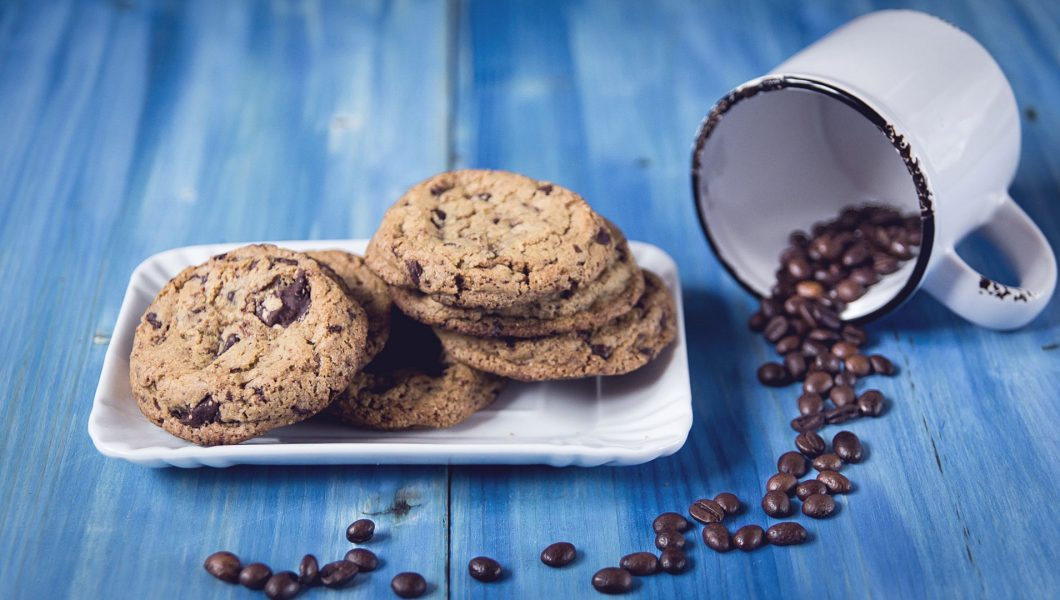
[[128, 127]]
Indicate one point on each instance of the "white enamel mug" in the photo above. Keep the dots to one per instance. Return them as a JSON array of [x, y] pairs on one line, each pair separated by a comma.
[[896, 108]]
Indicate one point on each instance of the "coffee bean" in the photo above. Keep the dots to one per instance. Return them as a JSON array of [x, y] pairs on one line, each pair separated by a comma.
[[859, 365], [845, 378], [857, 254], [827, 318], [849, 290], [337, 574], [716, 537], [810, 422], [818, 506], [282, 586], [776, 328], [884, 264], [769, 308], [309, 571], [781, 482], [853, 334], [673, 561], [757, 322], [776, 504], [817, 382], [360, 531], [484, 568], [842, 395], [613, 580], [810, 403], [865, 276], [813, 348], [749, 537], [810, 487], [809, 289], [810, 445], [670, 539], [408, 585], [706, 511], [828, 363], [842, 414], [847, 446], [799, 268], [871, 403], [773, 374], [562, 554], [223, 565], [670, 521], [788, 343], [786, 534], [255, 575], [728, 502], [825, 336], [837, 482], [365, 559], [795, 365], [792, 462], [881, 364], [640, 563], [828, 462], [844, 349]]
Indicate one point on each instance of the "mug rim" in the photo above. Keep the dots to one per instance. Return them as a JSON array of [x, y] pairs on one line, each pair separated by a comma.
[[925, 197]]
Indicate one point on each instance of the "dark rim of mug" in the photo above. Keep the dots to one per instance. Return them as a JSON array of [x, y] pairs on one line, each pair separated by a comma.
[[897, 140]]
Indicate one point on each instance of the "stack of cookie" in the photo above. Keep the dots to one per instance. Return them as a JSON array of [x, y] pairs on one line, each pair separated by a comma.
[[520, 278]]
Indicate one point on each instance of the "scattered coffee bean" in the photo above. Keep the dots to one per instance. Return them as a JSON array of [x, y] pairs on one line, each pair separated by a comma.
[[859, 365], [813, 349], [484, 568], [716, 537], [773, 374], [871, 403], [810, 445], [837, 482], [728, 502], [789, 343], [776, 328], [776, 504], [828, 462], [757, 322], [853, 334], [613, 580], [841, 414], [282, 586], [811, 422], [670, 521], [223, 565], [818, 506], [749, 537], [881, 365], [309, 571], [786, 534], [792, 462], [844, 349], [360, 531], [808, 488], [365, 559], [847, 446], [706, 511], [849, 290], [823, 335], [673, 561], [408, 585], [782, 482], [810, 403], [817, 382], [255, 575], [845, 378], [795, 364], [562, 554], [337, 574], [842, 395], [670, 539], [640, 563]]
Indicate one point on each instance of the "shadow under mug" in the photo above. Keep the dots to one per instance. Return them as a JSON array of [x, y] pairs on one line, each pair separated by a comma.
[[895, 108]]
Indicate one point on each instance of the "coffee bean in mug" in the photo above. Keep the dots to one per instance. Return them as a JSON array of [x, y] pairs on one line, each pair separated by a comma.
[[561, 554], [670, 539], [360, 531], [309, 571], [871, 403], [484, 568], [748, 538], [828, 462], [837, 482], [612, 580], [810, 444], [818, 506], [670, 521], [847, 446], [776, 504], [409, 585], [716, 537], [282, 586], [706, 511], [810, 487], [793, 463], [728, 502], [786, 534], [782, 482], [337, 574], [255, 575], [640, 563], [673, 561]]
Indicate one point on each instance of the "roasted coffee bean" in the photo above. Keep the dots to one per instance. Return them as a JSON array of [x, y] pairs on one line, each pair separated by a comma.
[[640, 563], [255, 575], [365, 559], [786, 534], [337, 574], [799, 328], [853, 334], [837, 482], [828, 363], [670, 521], [309, 571], [408, 585], [810, 403], [811, 422], [847, 446], [845, 378], [728, 502], [809, 289], [673, 561], [857, 254], [827, 317], [223, 565], [795, 364], [844, 349], [773, 374], [849, 290], [825, 336], [900, 249], [842, 395], [769, 308], [749, 537], [706, 511], [828, 462], [884, 264], [810, 487], [613, 580], [484, 568], [799, 268], [782, 482], [881, 364], [757, 322], [282, 586], [798, 238], [859, 365], [776, 504], [561, 554], [716, 537], [817, 382], [787, 344], [810, 445], [842, 414], [360, 531], [818, 506], [776, 328], [871, 403], [813, 348], [670, 539], [792, 462]]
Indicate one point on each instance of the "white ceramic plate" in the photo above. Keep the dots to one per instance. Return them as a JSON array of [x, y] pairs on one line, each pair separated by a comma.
[[623, 420]]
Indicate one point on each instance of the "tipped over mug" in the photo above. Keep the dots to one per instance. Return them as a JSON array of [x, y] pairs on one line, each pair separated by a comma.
[[895, 108]]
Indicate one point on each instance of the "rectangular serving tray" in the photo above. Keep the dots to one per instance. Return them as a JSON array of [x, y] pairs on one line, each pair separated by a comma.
[[624, 420]]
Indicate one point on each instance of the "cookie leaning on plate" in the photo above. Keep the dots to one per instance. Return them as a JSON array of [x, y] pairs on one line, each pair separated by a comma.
[[250, 340], [367, 289], [489, 239], [617, 347]]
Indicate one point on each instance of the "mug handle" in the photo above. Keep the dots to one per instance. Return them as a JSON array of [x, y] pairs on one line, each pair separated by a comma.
[[986, 302]]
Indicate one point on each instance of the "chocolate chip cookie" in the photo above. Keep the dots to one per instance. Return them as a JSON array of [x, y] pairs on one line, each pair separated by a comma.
[[489, 239], [248, 341], [367, 289], [413, 383], [619, 346]]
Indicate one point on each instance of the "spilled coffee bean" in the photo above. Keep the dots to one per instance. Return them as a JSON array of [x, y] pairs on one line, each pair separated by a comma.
[[640, 563], [360, 531], [673, 561], [613, 580], [670, 521], [728, 502], [337, 574], [818, 506], [223, 565], [365, 559], [560, 554], [282, 586], [847, 446], [670, 539], [749, 537], [484, 568], [786, 534], [409, 585], [716, 537], [706, 511], [255, 575]]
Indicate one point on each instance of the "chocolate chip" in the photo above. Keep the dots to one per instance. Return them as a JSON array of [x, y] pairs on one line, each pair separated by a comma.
[[334, 328], [294, 303], [441, 187], [547, 189], [438, 213], [152, 318], [602, 237], [207, 411], [602, 351], [229, 341], [231, 296], [415, 271]]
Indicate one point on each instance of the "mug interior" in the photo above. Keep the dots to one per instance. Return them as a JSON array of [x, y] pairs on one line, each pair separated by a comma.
[[783, 158]]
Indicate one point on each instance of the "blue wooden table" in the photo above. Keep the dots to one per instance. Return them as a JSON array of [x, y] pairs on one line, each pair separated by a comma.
[[128, 127]]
